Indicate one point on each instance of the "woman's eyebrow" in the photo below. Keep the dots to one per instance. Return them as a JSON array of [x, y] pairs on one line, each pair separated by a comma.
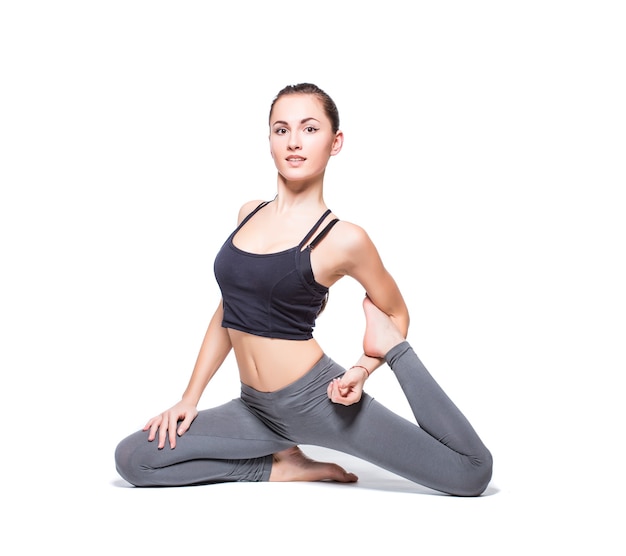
[[303, 121]]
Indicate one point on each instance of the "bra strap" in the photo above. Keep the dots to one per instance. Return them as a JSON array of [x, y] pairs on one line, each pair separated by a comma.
[[323, 233], [315, 227]]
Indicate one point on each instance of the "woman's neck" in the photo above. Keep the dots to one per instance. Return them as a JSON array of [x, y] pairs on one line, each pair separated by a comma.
[[300, 196]]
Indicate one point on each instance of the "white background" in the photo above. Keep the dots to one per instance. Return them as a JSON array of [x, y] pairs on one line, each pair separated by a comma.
[[484, 154]]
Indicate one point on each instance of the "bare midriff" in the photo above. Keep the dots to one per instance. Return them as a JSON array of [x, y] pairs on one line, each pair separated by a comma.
[[269, 364]]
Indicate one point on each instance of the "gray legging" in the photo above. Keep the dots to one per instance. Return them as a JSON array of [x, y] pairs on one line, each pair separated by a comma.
[[235, 441]]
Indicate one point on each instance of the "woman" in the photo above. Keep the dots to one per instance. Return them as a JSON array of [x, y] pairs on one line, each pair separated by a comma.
[[274, 272]]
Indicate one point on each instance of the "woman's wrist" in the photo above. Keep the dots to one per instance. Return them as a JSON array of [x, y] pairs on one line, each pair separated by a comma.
[[367, 371], [370, 364]]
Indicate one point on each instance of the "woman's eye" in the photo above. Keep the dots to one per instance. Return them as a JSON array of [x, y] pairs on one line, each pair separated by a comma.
[[310, 129], [280, 131]]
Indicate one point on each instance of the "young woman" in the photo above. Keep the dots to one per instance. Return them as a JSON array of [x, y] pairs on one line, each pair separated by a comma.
[[274, 272]]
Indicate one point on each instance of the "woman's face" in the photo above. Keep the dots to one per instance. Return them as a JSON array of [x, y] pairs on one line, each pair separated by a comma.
[[301, 137]]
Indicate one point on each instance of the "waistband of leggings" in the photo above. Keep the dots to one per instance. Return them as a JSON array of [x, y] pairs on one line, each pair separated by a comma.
[[308, 377]]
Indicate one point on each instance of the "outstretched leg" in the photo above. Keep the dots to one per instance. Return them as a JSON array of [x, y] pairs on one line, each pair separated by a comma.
[[435, 413]]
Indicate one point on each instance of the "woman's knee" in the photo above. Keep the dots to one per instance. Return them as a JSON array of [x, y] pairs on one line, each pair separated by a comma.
[[478, 476], [128, 460]]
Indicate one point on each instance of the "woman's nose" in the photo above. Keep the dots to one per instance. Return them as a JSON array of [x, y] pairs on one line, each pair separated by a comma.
[[294, 141]]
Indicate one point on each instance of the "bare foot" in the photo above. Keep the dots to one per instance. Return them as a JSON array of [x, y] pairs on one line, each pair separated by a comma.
[[293, 465], [381, 334]]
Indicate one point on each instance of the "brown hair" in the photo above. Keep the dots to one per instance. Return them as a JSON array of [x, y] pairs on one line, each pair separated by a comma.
[[309, 89]]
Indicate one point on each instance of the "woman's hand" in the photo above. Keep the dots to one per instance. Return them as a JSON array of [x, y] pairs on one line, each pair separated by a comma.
[[167, 424], [347, 390]]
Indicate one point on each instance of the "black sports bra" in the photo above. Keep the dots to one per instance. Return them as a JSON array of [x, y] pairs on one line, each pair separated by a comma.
[[274, 294]]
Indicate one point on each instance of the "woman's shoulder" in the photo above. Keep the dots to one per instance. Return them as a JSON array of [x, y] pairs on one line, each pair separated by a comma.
[[247, 208], [348, 247], [351, 236]]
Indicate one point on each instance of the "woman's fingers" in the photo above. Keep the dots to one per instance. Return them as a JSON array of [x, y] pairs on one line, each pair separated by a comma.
[[166, 426], [345, 394], [184, 425], [153, 426], [163, 430]]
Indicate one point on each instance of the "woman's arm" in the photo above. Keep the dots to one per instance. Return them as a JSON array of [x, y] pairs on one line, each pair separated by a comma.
[[213, 351], [362, 262], [365, 265]]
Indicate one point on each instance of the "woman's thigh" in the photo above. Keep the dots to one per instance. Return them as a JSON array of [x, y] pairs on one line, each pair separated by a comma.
[[228, 431]]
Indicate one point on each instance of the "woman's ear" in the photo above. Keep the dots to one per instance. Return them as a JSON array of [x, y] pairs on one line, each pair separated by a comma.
[[337, 143]]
